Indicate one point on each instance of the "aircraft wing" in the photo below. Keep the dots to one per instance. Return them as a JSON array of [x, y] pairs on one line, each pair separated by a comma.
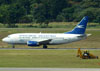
[[46, 41], [42, 41]]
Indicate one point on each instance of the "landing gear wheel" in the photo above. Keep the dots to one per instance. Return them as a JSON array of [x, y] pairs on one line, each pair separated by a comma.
[[45, 46], [97, 57], [13, 46]]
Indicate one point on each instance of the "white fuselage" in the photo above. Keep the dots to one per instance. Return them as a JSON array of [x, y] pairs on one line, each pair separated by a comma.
[[23, 38]]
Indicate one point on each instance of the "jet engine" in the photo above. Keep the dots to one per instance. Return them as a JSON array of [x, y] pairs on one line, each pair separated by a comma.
[[32, 43]]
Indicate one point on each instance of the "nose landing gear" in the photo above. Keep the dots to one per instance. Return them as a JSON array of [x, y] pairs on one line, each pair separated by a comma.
[[13, 46]]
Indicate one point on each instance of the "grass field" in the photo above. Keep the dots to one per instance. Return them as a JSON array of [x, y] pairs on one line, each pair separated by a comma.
[[49, 58], [46, 59]]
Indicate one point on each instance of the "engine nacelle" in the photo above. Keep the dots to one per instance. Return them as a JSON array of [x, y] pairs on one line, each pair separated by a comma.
[[32, 43]]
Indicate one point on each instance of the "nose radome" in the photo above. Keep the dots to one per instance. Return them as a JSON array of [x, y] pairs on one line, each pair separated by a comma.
[[3, 39], [7, 40]]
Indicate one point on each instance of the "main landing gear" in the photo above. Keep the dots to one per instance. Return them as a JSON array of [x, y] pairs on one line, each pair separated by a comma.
[[45, 46]]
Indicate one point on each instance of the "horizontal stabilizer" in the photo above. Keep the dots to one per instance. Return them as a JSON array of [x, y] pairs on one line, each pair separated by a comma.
[[88, 34]]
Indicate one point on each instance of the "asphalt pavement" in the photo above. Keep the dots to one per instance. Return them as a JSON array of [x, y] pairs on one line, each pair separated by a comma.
[[49, 69], [47, 48]]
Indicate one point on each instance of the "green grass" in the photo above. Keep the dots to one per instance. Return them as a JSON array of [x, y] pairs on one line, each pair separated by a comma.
[[49, 58], [46, 58]]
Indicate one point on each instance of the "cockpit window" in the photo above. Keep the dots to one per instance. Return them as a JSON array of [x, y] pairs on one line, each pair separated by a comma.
[[8, 36]]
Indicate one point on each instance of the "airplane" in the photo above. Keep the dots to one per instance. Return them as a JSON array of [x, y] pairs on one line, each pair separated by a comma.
[[37, 39]]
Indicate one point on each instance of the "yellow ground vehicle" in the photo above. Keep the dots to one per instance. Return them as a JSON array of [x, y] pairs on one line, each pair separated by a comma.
[[86, 55]]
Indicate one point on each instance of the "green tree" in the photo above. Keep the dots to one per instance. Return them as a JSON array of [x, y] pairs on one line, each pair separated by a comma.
[[98, 19], [66, 15], [39, 13], [89, 8], [93, 13], [11, 14], [26, 4], [45, 11], [7, 2], [4, 14]]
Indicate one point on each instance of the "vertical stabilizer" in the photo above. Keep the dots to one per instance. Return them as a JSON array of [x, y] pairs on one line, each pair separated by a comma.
[[80, 28]]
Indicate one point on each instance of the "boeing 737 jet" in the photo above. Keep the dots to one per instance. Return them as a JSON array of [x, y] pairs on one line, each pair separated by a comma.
[[38, 39]]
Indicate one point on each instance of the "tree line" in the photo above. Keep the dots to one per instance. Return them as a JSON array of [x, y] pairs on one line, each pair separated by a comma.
[[45, 11]]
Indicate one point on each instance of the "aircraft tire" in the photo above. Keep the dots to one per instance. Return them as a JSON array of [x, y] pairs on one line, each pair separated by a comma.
[[45, 46], [13, 46], [97, 57]]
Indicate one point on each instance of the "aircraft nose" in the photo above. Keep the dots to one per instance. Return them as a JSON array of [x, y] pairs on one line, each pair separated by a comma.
[[5, 40]]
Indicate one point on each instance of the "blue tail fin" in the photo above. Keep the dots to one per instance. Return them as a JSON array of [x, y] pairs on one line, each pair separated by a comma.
[[80, 28]]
